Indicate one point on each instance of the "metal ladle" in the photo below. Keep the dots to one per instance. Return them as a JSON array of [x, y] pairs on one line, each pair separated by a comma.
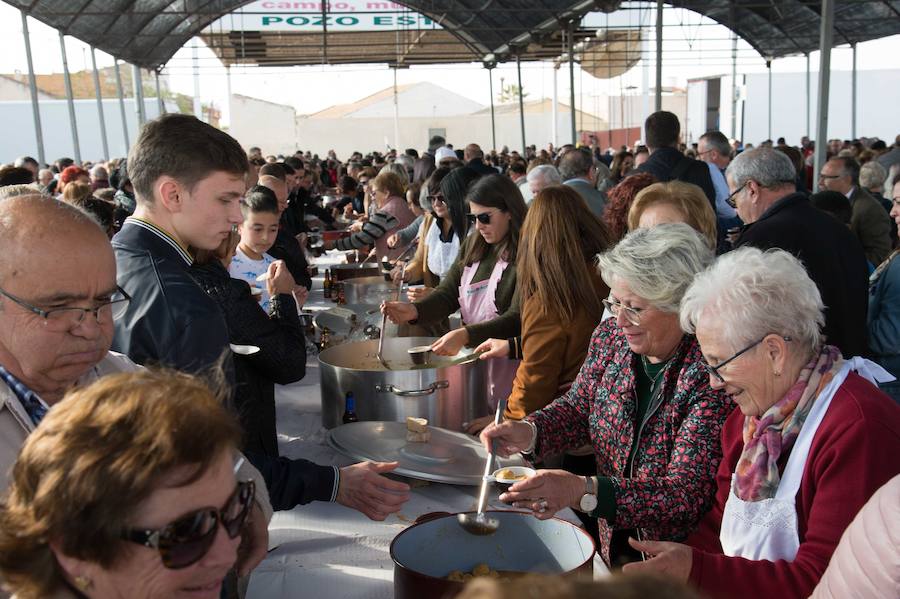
[[384, 315], [479, 523]]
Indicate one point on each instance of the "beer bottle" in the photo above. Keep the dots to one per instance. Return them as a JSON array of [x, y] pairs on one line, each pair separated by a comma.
[[350, 409], [326, 284]]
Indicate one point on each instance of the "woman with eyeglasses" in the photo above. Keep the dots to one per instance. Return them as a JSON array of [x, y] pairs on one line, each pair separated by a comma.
[[481, 282], [641, 400], [442, 230], [127, 488], [812, 438]]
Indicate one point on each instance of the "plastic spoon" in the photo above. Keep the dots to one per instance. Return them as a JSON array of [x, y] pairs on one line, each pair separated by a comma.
[[479, 523]]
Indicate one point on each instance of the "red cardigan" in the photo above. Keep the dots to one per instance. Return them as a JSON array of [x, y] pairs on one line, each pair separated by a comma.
[[853, 453]]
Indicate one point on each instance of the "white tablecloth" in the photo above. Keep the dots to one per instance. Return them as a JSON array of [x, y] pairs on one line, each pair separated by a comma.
[[324, 550]]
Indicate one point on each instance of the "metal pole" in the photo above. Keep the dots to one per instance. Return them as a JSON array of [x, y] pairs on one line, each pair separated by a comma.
[[769, 67], [35, 106], [734, 88], [853, 96], [554, 129], [645, 84], [826, 38], [138, 94], [228, 90], [491, 92], [659, 45], [99, 96], [70, 98], [198, 108], [572, 80], [396, 113], [121, 94], [808, 100], [159, 99], [521, 105]]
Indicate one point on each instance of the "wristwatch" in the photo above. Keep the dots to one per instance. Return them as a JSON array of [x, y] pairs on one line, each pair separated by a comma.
[[588, 501]]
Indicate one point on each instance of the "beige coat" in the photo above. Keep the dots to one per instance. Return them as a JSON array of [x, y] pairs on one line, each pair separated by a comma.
[[866, 563]]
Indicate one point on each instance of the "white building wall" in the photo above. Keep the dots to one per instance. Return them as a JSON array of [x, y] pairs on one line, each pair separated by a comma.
[[267, 125], [347, 135], [878, 96], [15, 90], [18, 137], [420, 100]]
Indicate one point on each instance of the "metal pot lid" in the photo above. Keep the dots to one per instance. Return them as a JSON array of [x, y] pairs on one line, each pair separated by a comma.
[[449, 457]]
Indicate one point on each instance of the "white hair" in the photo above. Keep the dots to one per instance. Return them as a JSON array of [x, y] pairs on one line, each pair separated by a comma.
[[769, 168], [546, 174], [872, 175], [657, 263], [753, 294]]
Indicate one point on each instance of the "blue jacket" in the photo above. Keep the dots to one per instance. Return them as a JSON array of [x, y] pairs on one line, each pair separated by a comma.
[[884, 315]]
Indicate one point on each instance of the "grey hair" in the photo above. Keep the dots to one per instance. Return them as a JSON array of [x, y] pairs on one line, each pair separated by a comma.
[[27, 189], [545, 173], [399, 170], [658, 264], [756, 293], [575, 163], [769, 168], [716, 140], [872, 174]]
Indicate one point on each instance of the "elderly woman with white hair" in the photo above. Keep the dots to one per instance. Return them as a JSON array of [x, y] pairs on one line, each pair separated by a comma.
[[812, 438], [641, 400]]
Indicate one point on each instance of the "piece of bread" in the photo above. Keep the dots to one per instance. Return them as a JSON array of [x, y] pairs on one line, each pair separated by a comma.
[[412, 437], [416, 425]]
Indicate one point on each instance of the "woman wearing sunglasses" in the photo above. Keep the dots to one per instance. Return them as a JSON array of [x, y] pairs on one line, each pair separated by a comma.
[[127, 488], [810, 442], [481, 283], [442, 231], [642, 400]]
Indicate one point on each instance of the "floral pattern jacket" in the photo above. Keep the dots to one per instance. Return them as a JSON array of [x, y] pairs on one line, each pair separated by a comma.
[[671, 482]]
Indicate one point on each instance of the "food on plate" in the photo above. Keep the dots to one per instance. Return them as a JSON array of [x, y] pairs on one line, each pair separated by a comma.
[[417, 430], [507, 474]]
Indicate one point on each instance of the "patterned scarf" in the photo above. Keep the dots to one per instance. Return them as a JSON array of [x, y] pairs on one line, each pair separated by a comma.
[[769, 436]]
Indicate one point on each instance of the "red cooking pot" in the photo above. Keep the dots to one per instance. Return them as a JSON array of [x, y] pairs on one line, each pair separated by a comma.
[[426, 552]]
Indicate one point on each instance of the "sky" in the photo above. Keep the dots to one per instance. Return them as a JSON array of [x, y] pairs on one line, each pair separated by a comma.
[[693, 46]]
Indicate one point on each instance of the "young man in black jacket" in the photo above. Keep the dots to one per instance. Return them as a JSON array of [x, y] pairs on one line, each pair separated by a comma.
[[188, 180]]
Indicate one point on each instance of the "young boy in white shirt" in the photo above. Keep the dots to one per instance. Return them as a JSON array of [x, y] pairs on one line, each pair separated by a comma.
[[258, 233]]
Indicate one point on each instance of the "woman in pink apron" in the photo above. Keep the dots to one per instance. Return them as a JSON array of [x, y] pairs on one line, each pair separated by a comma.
[[812, 439], [481, 283]]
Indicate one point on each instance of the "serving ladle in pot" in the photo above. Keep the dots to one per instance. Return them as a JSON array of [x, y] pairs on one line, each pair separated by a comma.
[[479, 523], [384, 316]]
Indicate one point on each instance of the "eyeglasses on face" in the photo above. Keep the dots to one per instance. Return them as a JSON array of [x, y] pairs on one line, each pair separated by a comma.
[[730, 199], [438, 197], [714, 370], [632, 315], [483, 217], [186, 540], [824, 176], [65, 319]]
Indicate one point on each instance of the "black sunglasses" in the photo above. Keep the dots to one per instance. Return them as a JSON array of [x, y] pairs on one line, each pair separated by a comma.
[[186, 540], [438, 197], [484, 218]]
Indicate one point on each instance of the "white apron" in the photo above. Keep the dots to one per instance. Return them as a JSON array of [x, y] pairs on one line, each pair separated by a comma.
[[441, 255], [476, 304], [767, 529]]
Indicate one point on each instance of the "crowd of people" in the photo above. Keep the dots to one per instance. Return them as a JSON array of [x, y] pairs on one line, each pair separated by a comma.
[[699, 356]]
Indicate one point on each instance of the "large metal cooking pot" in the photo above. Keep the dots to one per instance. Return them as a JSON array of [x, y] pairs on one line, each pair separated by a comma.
[[355, 269], [370, 290], [349, 322], [447, 395], [436, 545]]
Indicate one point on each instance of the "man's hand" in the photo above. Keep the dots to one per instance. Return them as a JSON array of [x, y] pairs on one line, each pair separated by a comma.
[[280, 279], [673, 560], [254, 541], [362, 488]]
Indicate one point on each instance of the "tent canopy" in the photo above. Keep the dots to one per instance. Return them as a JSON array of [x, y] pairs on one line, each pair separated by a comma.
[[149, 32]]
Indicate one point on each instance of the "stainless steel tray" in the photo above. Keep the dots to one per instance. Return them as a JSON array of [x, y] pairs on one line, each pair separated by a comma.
[[449, 457]]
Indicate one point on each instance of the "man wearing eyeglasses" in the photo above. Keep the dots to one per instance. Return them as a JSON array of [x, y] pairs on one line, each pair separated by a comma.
[[763, 189], [58, 302]]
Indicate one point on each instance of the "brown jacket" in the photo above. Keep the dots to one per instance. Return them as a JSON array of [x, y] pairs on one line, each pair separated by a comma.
[[871, 225], [418, 266], [553, 351]]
